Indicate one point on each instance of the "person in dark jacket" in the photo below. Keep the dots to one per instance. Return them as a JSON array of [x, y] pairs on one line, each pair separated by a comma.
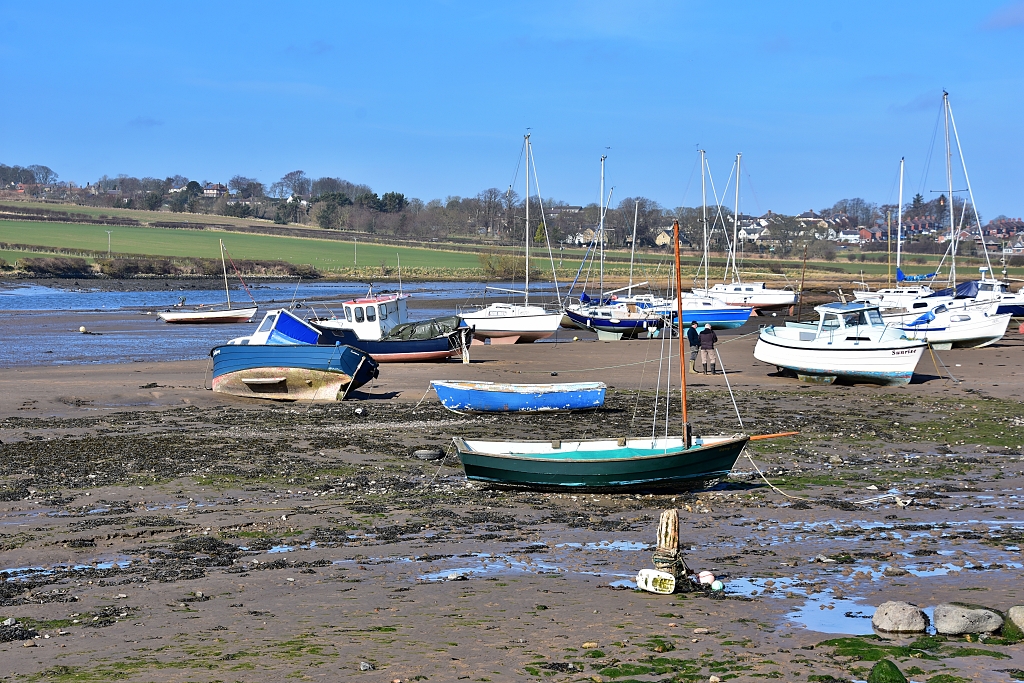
[[693, 337], [708, 338]]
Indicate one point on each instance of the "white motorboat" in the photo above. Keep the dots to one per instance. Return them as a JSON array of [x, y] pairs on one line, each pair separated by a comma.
[[962, 324], [849, 341]]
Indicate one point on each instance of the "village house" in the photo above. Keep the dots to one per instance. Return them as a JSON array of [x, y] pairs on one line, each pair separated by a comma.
[[214, 190]]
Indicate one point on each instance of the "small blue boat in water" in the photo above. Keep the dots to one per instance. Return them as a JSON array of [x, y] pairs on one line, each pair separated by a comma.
[[499, 397]]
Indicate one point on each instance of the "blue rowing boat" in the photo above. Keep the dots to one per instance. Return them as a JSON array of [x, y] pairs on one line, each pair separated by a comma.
[[494, 397]]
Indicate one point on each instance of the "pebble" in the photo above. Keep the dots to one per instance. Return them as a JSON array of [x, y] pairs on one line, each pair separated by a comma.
[[714, 679], [9, 622], [29, 643], [701, 631], [589, 645], [366, 666]]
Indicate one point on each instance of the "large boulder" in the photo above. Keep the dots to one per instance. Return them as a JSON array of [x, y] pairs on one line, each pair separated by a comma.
[[1016, 615], [952, 619], [899, 617]]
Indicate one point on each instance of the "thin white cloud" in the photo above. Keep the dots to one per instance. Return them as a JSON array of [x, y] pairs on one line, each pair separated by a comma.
[[1006, 17], [145, 122]]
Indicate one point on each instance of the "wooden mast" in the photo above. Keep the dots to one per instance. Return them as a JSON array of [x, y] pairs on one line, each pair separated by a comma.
[[687, 440]]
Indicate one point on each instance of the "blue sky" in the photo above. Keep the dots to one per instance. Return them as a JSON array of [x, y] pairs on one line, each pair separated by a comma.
[[432, 98]]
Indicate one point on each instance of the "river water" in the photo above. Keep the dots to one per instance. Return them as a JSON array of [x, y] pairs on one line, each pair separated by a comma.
[[39, 325]]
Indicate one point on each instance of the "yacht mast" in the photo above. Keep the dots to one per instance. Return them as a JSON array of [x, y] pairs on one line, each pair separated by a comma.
[[632, 251], [687, 440], [899, 219], [526, 289], [600, 230], [953, 237], [704, 201], [970, 192], [227, 291], [736, 224]]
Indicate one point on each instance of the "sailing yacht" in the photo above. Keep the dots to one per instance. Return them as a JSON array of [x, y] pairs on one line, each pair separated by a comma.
[[903, 295], [509, 323], [753, 295], [206, 315]]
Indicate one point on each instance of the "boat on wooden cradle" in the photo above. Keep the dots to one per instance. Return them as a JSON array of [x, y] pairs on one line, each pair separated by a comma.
[[463, 396], [209, 314], [283, 361], [849, 341], [601, 464], [948, 325], [379, 325]]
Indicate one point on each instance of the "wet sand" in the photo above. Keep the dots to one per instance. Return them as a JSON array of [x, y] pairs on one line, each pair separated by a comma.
[[155, 530]]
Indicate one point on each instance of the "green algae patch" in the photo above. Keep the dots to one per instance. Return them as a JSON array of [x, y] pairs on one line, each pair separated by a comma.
[[873, 649], [885, 671]]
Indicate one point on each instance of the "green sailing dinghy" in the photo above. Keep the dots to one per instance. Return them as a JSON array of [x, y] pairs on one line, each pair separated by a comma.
[[606, 464]]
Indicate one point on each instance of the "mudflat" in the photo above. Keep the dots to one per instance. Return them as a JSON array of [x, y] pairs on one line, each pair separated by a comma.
[[152, 530]]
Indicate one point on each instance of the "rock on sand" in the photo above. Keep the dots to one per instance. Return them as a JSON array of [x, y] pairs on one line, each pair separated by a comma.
[[955, 620], [899, 617]]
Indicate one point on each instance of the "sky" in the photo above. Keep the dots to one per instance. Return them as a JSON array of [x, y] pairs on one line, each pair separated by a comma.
[[432, 99]]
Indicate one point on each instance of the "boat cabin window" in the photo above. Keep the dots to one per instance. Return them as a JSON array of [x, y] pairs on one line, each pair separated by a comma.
[[830, 322], [750, 289], [359, 314], [383, 310], [737, 289], [348, 313], [939, 309], [869, 317], [985, 288], [920, 304], [371, 313], [268, 323]]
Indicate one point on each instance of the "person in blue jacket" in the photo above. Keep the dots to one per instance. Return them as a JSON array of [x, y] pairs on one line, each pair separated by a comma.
[[693, 337]]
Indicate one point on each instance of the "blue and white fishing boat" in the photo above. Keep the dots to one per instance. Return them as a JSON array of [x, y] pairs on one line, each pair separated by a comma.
[[499, 397], [283, 360]]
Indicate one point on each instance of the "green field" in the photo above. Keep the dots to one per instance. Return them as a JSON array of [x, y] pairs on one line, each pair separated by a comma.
[[324, 255], [350, 260]]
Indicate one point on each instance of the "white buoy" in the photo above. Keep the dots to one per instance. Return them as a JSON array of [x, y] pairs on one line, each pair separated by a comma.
[[82, 329], [706, 578], [575, 338]]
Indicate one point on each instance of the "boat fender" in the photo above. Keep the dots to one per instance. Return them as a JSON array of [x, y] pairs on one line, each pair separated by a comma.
[[622, 441], [653, 581], [556, 443]]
